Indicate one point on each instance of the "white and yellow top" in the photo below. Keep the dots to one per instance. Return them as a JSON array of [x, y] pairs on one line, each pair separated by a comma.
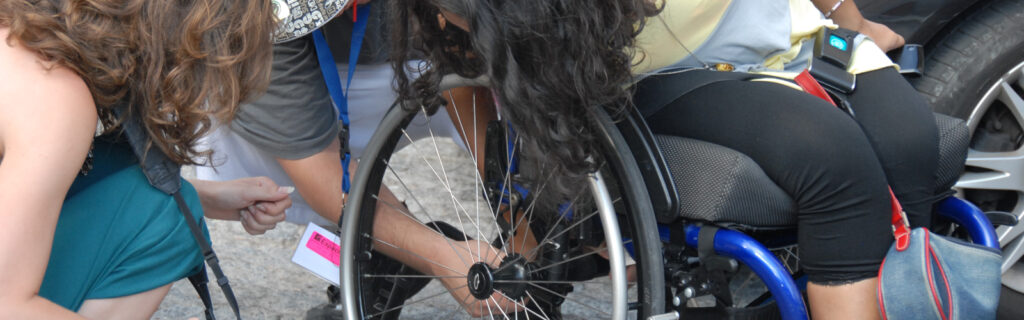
[[761, 36]]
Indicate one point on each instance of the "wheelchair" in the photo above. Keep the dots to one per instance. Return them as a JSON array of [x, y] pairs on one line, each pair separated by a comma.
[[705, 238]]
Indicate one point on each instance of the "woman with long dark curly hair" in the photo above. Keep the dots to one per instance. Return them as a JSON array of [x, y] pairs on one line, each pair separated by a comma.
[[82, 228], [549, 64], [559, 57]]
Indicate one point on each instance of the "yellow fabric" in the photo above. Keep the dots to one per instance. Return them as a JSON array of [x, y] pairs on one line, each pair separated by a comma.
[[805, 22], [687, 21], [691, 22]]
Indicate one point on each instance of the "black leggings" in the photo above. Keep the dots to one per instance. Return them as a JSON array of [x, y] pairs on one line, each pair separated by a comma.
[[836, 167]]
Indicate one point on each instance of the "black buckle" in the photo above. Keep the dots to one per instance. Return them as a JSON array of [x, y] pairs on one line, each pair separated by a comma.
[[832, 77], [343, 135], [211, 258]]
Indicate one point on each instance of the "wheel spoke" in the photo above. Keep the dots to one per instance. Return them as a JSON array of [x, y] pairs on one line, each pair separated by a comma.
[[1013, 101], [1003, 171], [472, 155], [456, 204], [535, 303], [1007, 234], [461, 305], [561, 216], [447, 187], [411, 276], [507, 186], [578, 222], [415, 255], [498, 306], [479, 181], [427, 212], [528, 214]]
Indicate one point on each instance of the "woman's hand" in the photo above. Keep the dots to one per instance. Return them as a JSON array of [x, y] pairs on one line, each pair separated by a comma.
[[257, 202], [884, 37], [846, 14]]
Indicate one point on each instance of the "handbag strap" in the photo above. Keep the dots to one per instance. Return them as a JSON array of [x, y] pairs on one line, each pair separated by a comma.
[[900, 224]]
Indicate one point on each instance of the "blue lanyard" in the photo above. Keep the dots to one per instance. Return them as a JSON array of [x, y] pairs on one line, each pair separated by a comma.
[[338, 93]]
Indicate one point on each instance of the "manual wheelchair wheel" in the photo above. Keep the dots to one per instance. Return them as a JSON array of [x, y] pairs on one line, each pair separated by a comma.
[[511, 254]]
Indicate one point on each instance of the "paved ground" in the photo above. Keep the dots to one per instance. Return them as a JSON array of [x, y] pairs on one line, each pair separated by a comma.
[[269, 286]]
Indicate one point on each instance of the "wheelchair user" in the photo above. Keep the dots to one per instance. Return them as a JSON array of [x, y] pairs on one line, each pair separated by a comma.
[[549, 66], [83, 229], [835, 167]]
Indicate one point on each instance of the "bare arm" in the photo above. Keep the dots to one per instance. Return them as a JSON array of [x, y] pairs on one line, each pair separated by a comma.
[[47, 121], [848, 16], [318, 180]]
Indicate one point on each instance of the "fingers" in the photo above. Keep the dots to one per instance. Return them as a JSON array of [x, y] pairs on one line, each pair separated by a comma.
[[264, 189], [884, 37], [252, 226]]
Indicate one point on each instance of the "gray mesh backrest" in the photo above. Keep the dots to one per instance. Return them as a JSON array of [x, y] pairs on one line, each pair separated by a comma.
[[721, 185]]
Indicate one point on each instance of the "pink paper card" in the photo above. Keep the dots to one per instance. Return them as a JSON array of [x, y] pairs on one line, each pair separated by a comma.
[[324, 247]]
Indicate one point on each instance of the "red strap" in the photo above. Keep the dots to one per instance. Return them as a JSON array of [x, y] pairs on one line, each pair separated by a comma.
[[900, 226], [355, 5], [807, 82]]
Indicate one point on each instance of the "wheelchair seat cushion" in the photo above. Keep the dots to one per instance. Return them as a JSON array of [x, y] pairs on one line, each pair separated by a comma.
[[723, 186]]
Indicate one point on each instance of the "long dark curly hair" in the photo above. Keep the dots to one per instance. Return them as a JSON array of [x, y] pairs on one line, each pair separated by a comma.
[[551, 63], [175, 62]]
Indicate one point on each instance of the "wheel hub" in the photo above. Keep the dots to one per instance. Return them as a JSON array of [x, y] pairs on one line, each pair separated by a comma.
[[480, 280], [510, 278]]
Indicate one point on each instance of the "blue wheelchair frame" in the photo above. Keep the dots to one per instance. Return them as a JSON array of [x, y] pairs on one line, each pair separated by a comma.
[[776, 277]]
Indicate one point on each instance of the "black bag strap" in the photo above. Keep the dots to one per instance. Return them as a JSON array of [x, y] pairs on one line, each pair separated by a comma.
[[211, 260], [199, 281], [165, 175], [658, 90]]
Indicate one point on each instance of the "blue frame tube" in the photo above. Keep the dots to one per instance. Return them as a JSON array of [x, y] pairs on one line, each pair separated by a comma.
[[741, 247], [969, 216]]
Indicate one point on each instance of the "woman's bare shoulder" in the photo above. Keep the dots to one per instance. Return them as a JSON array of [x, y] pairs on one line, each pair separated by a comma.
[[36, 94], [27, 73]]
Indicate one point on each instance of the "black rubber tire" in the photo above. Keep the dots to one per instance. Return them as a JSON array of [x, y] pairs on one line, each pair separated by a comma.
[[971, 57], [638, 222], [1010, 306]]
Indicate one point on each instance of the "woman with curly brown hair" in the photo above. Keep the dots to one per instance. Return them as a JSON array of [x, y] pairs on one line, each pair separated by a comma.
[[82, 228]]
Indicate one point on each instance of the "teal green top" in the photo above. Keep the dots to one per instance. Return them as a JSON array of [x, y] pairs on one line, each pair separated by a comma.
[[117, 235]]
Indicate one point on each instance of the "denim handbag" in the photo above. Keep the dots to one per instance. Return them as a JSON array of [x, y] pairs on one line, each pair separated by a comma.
[[928, 276]]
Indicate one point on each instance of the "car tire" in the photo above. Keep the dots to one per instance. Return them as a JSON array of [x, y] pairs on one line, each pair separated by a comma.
[[976, 72], [972, 57]]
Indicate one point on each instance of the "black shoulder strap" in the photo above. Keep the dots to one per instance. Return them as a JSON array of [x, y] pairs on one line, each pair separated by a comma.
[[165, 175], [658, 90], [211, 260]]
